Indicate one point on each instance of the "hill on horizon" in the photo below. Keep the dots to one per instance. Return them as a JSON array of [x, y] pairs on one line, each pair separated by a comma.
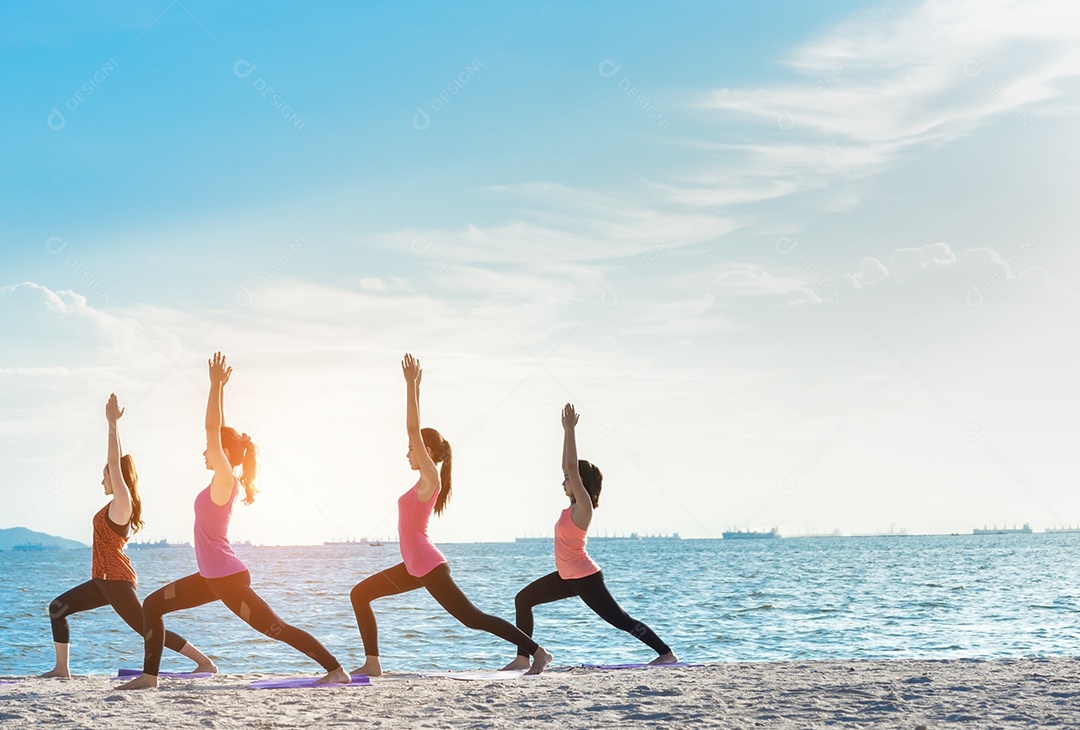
[[12, 536]]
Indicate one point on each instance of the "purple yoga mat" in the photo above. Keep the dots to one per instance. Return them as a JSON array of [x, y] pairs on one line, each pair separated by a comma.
[[358, 680], [125, 673], [638, 666]]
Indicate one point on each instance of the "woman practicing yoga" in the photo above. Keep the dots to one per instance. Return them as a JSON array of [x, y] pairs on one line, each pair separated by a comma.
[[113, 579], [577, 574], [221, 575], [424, 566]]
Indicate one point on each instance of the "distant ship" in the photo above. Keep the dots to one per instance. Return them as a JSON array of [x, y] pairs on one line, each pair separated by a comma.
[[636, 536], [631, 536], [751, 535], [893, 532], [362, 541], [158, 544], [835, 533], [995, 530], [1062, 529]]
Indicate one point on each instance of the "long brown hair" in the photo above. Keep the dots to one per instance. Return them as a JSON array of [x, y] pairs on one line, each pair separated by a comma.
[[241, 452], [131, 479], [592, 479], [441, 453]]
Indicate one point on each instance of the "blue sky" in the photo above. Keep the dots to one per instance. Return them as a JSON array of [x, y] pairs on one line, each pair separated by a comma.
[[788, 259]]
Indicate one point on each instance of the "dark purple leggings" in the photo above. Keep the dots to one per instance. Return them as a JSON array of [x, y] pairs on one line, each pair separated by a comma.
[[235, 592], [443, 589], [120, 594], [594, 593]]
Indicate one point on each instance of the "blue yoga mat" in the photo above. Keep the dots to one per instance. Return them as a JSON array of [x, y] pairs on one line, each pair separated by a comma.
[[358, 680]]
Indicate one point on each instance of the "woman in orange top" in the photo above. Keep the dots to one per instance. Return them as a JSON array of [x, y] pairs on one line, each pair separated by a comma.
[[113, 579], [576, 574]]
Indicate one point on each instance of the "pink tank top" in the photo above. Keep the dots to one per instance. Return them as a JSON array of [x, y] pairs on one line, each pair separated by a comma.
[[213, 553], [417, 550], [571, 560]]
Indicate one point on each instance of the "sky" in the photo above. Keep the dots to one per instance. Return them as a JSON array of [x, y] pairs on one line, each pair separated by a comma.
[[804, 265]]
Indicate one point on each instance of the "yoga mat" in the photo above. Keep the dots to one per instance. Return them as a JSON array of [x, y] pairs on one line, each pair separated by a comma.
[[638, 666], [125, 673], [358, 680], [482, 676]]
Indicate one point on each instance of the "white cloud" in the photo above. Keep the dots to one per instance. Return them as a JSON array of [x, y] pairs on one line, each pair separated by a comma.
[[907, 261], [870, 271], [749, 280], [62, 318], [875, 88], [974, 266]]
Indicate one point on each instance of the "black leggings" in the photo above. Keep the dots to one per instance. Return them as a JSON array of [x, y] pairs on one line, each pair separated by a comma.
[[442, 588], [235, 592], [120, 594], [593, 593]]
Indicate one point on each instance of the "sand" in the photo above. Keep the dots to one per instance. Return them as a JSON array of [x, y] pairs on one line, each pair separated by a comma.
[[901, 693]]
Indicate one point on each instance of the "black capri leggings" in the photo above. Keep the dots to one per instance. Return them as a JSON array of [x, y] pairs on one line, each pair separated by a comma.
[[594, 593], [120, 594], [443, 589], [235, 592]]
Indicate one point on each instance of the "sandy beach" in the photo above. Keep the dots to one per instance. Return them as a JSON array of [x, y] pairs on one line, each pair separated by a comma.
[[903, 693]]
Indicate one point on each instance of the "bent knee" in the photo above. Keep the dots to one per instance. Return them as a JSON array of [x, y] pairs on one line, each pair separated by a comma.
[[58, 609], [154, 605], [361, 595]]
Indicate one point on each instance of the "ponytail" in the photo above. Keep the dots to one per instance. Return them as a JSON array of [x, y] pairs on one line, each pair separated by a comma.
[[247, 474], [441, 453], [131, 479], [444, 479], [241, 452]]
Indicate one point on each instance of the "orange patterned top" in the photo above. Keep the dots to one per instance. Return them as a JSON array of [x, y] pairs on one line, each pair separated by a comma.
[[109, 560]]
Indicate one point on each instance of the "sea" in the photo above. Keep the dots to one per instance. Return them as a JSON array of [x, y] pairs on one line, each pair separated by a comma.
[[839, 598]]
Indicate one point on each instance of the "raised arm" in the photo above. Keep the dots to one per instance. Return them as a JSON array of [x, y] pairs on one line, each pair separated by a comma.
[[221, 488], [582, 511], [120, 507], [429, 473]]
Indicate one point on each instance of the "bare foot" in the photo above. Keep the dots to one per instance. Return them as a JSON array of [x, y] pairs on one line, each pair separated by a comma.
[[62, 673], [209, 668], [540, 661], [337, 676], [371, 668], [143, 681], [520, 662], [668, 658]]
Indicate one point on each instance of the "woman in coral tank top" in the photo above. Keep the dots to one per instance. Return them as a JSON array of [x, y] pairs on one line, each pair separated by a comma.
[[576, 574], [222, 575], [423, 566], [113, 579]]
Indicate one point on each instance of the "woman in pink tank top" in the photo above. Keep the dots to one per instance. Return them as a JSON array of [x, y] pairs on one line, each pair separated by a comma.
[[423, 566], [575, 572], [222, 575]]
